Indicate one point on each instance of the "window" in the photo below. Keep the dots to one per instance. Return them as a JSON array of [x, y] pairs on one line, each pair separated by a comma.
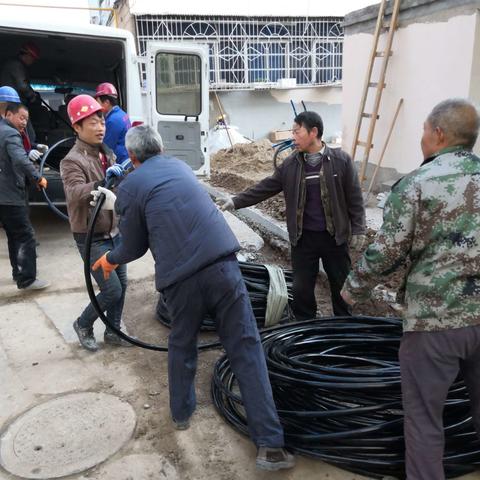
[[178, 77]]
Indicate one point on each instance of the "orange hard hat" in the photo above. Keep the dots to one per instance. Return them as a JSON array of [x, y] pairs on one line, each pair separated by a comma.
[[106, 89], [31, 49], [82, 106]]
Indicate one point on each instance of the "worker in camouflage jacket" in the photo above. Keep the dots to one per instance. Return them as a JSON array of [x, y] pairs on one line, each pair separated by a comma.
[[432, 218]]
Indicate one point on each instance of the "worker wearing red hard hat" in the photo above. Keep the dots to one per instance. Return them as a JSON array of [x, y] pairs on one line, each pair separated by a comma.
[[14, 73], [83, 170], [116, 120]]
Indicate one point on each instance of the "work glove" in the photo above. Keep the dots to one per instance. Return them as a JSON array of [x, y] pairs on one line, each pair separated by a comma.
[[105, 265], [42, 148], [110, 198], [357, 241], [42, 183], [227, 203], [114, 171], [34, 155]]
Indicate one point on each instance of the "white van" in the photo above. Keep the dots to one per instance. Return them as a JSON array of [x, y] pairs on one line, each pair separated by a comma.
[[76, 58]]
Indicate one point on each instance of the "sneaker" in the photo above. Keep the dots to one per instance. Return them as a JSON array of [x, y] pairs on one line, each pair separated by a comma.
[[274, 459], [184, 425], [112, 338], [36, 285], [85, 337]]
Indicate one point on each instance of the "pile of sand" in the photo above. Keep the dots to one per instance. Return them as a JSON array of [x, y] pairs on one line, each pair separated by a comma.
[[253, 161], [242, 166]]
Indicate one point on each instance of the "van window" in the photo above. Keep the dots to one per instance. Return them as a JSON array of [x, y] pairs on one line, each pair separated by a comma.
[[178, 78]]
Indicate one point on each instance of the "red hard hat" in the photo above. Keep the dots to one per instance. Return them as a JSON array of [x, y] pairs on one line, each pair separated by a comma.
[[106, 89], [82, 106], [31, 49]]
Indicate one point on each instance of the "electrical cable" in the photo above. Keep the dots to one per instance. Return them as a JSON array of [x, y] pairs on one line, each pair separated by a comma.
[[336, 385], [91, 293], [257, 281], [45, 157]]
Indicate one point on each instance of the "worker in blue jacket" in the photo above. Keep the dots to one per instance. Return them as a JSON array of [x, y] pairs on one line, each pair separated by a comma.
[[117, 122], [163, 207]]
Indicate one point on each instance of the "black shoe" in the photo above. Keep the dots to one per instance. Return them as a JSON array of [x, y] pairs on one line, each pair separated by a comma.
[[85, 337], [274, 459], [184, 425], [111, 338]]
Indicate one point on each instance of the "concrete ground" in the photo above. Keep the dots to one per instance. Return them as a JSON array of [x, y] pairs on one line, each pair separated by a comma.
[[40, 360]]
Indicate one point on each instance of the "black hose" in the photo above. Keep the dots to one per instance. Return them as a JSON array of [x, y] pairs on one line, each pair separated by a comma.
[[91, 293], [336, 385], [257, 281], [45, 157]]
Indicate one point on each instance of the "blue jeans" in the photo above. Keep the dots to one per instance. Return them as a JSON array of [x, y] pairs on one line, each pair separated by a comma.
[[219, 290], [112, 291]]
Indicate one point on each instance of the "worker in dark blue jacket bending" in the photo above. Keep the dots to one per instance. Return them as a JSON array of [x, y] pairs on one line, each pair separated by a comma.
[[163, 207]]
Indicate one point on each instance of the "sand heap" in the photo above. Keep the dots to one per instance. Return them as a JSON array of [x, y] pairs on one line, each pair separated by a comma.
[[242, 166], [253, 161]]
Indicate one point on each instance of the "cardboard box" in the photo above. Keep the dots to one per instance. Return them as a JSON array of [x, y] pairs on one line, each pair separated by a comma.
[[279, 135]]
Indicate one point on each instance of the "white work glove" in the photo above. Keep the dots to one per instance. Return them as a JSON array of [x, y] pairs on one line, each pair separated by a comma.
[[357, 241], [110, 198], [34, 155], [42, 148], [114, 171], [227, 203]]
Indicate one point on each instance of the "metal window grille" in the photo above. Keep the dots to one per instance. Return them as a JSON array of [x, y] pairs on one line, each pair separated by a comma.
[[248, 53]]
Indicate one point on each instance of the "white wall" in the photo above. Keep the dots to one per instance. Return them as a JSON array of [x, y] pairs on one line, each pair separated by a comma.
[[432, 61], [256, 113]]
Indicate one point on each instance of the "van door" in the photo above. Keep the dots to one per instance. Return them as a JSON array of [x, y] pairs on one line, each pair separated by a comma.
[[177, 88]]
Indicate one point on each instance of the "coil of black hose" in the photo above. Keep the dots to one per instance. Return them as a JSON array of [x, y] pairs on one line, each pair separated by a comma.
[[336, 384], [43, 162], [257, 281]]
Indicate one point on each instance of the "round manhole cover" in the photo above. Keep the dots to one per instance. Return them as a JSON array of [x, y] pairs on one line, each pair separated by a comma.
[[66, 435]]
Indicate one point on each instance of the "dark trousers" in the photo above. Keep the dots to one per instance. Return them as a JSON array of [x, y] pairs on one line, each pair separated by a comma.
[[112, 291], [310, 249], [429, 364], [219, 290], [21, 243]]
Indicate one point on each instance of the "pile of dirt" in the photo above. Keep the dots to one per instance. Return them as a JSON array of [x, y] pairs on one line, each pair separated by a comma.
[[252, 161], [242, 166]]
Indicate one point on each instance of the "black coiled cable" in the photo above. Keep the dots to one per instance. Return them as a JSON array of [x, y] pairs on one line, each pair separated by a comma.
[[336, 384], [257, 281]]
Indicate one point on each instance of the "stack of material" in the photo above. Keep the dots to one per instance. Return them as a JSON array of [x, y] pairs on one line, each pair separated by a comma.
[[257, 280], [336, 384]]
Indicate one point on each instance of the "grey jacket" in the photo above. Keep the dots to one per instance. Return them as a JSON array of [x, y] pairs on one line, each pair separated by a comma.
[[14, 166], [345, 202], [14, 74]]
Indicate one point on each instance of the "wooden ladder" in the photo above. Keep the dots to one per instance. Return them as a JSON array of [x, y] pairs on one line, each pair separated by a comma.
[[378, 85]]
